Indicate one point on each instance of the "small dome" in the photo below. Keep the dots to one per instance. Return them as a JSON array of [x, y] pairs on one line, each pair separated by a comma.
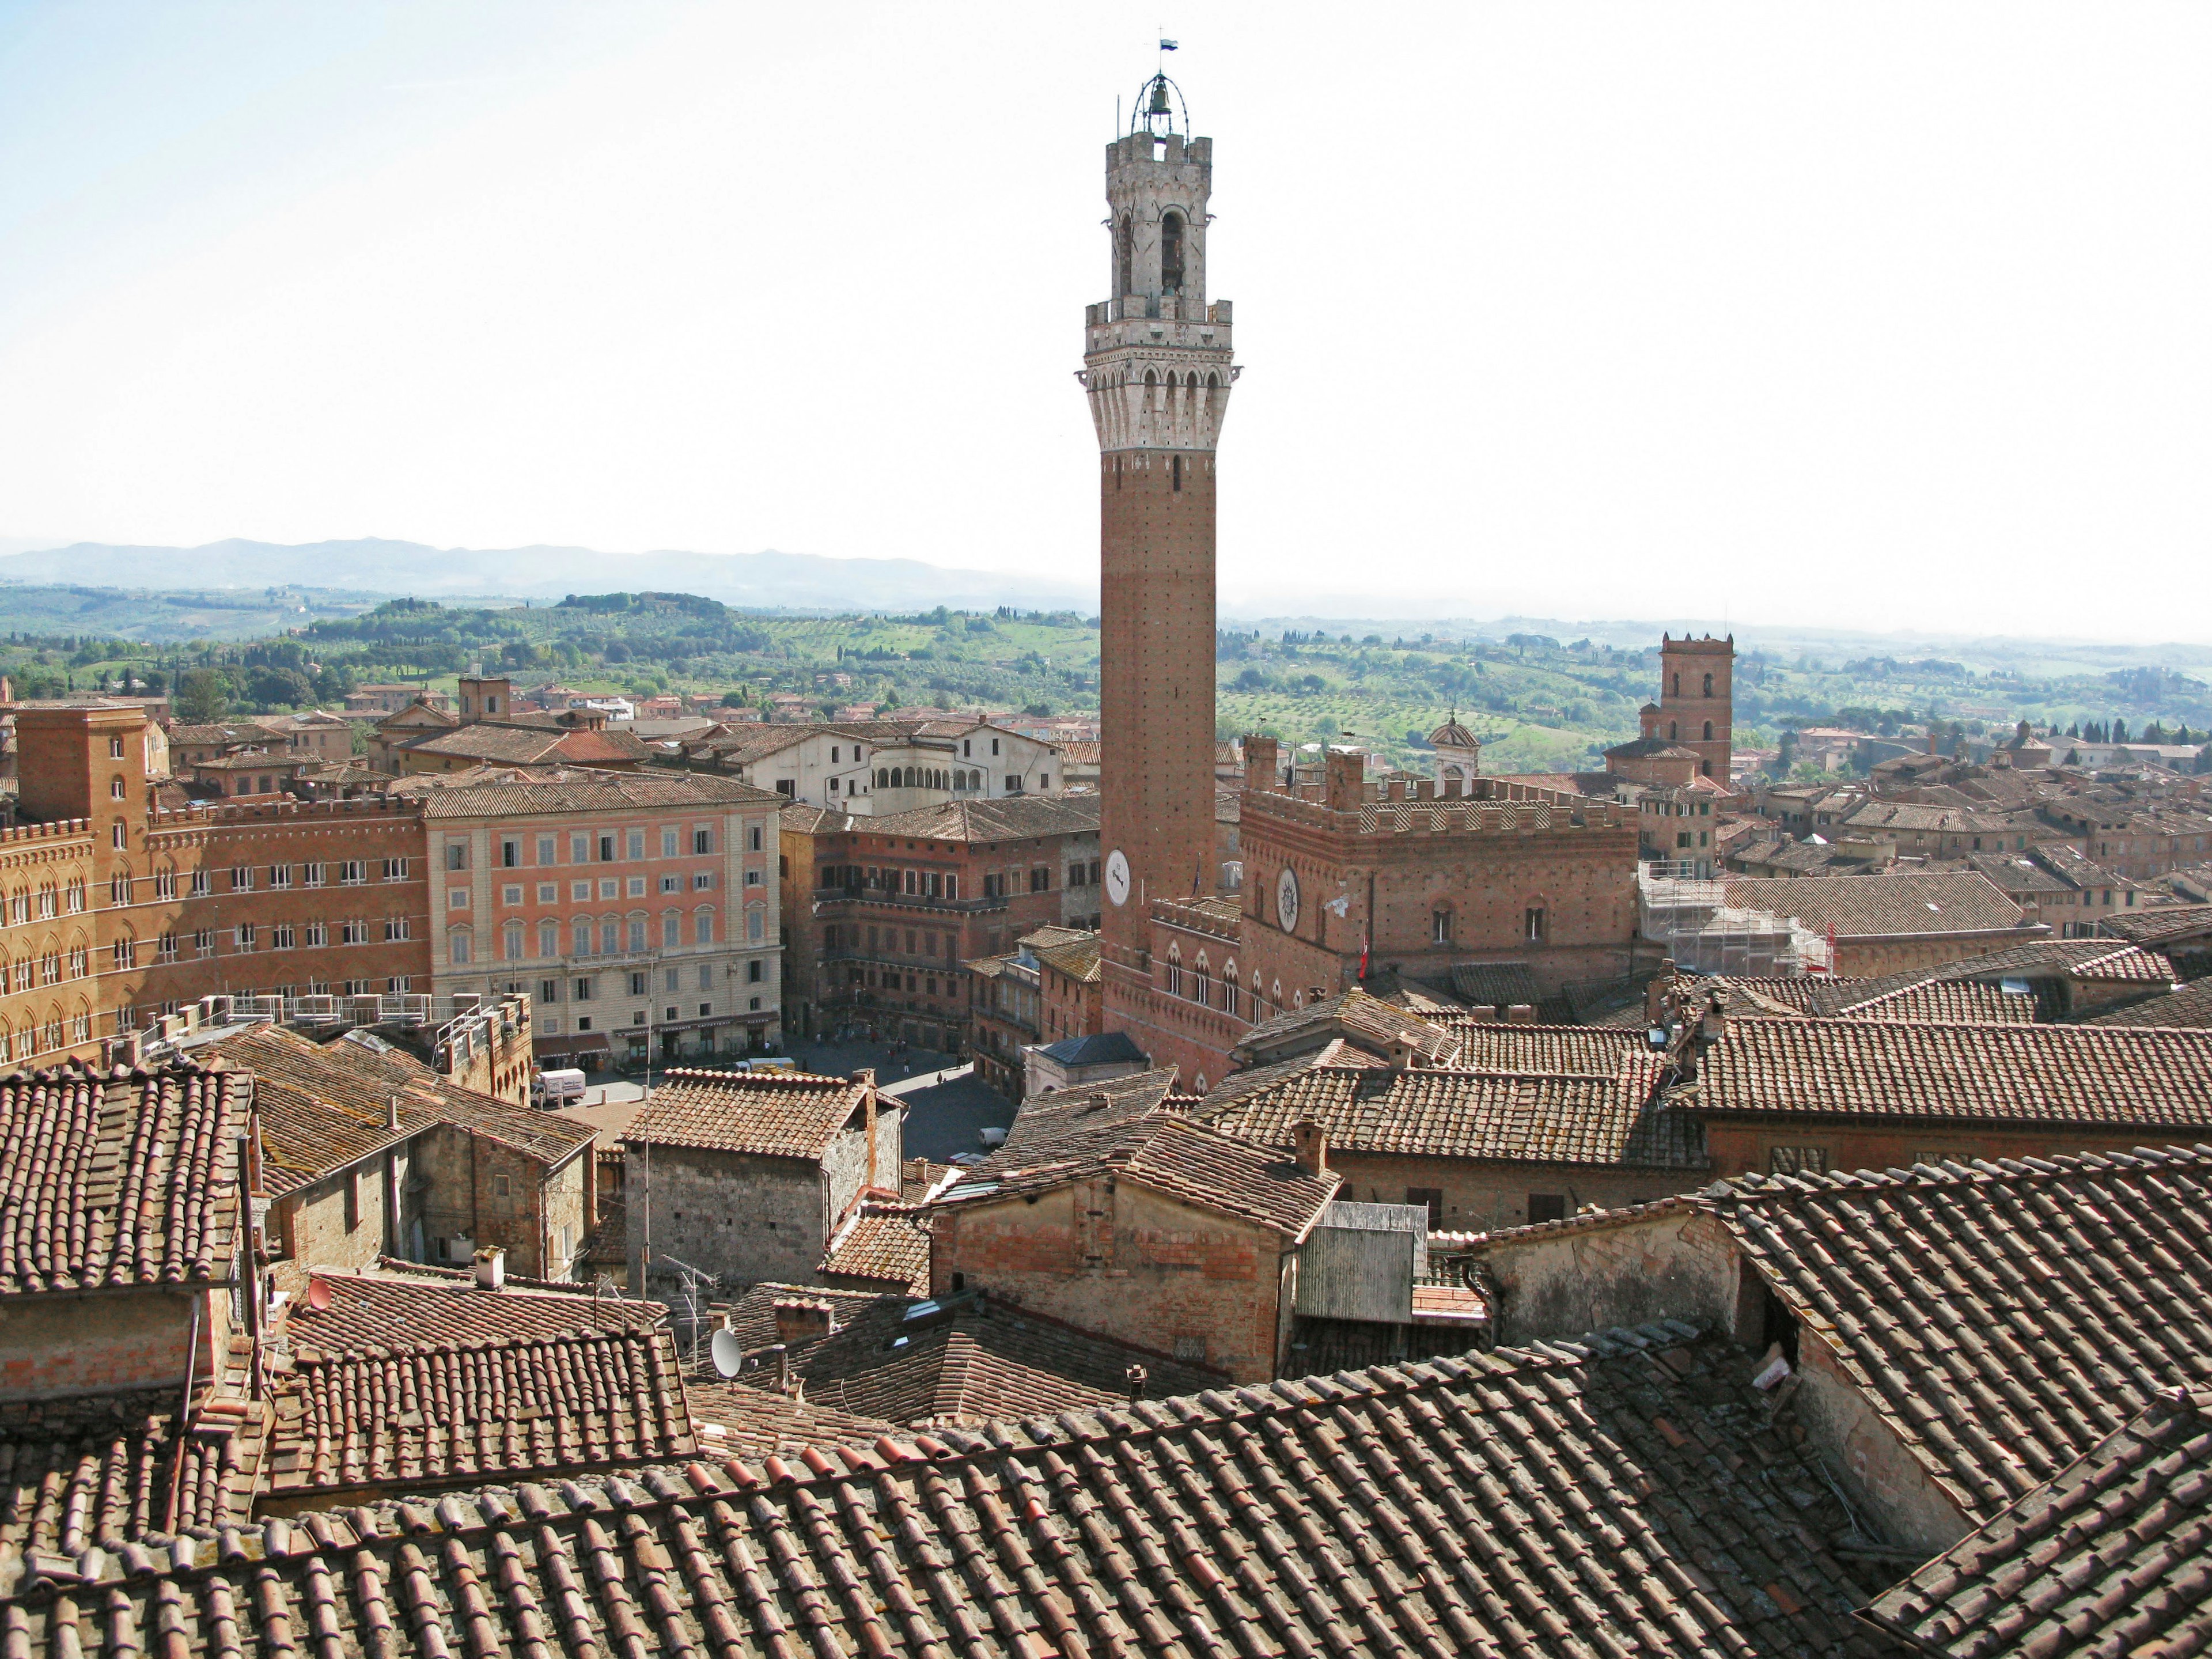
[[1452, 735]]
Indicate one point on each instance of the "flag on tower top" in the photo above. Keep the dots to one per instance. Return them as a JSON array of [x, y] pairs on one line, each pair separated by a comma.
[[1168, 45]]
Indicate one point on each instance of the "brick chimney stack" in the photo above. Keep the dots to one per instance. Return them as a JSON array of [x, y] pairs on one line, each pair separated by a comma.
[[797, 1322], [1310, 1144]]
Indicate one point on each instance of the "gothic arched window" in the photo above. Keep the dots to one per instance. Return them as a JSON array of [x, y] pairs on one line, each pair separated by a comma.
[[1673, 731], [1708, 731], [1678, 685], [1709, 685], [1170, 252]]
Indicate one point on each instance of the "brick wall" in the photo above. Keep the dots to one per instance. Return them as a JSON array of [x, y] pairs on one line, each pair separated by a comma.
[[491, 1193], [69, 1345], [1170, 1277], [1156, 681], [343, 1222]]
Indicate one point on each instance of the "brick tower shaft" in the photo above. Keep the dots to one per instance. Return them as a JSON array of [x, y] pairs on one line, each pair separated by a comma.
[[1157, 369]]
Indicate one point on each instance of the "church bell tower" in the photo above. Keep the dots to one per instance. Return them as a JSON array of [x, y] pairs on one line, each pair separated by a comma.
[[1157, 369]]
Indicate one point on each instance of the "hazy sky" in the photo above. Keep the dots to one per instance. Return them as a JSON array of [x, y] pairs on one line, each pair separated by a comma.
[[1894, 314]]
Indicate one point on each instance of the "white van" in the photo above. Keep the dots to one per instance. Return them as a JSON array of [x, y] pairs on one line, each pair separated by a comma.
[[562, 1087]]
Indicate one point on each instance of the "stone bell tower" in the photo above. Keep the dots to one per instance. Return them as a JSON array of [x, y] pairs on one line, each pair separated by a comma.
[[1156, 367]]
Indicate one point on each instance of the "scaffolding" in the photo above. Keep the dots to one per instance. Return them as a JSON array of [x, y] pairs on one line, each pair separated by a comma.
[[1691, 921]]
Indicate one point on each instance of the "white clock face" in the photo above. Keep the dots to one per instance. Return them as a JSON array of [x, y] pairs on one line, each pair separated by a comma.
[[1286, 899], [1117, 877]]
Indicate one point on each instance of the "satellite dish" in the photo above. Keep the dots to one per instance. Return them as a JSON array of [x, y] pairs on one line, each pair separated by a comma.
[[729, 1355], [319, 1296]]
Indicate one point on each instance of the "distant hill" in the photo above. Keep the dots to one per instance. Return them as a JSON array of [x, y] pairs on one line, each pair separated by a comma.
[[767, 580]]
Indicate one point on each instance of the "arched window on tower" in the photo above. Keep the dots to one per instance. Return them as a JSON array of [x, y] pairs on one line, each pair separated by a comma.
[[1673, 731], [1709, 685], [1171, 253], [1708, 731], [1678, 685]]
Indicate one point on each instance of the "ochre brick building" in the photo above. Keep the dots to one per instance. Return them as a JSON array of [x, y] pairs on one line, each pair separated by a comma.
[[117, 911], [883, 913]]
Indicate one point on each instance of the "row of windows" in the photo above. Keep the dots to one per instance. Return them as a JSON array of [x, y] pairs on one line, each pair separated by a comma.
[[588, 936], [601, 847], [848, 935], [47, 901], [57, 1030], [610, 887]]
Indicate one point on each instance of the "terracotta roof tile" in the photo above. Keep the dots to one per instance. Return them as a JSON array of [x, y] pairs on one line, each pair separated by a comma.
[[113, 1180], [1515, 1505], [1368, 1021], [2190, 1006], [387, 1311], [2002, 1317], [97, 1469], [885, 1244], [1168, 1153], [770, 1113], [456, 1412], [324, 1106], [1516, 1116], [1591, 1051], [1886, 906], [2108, 1557], [2153, 1081], [967, 1359], [580, 790]]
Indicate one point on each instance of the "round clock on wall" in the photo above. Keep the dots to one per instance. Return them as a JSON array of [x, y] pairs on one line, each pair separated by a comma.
[[1117, 877], [1286, 899]]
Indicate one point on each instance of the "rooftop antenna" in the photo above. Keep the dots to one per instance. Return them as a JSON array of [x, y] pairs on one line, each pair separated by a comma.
[[693, 1278]]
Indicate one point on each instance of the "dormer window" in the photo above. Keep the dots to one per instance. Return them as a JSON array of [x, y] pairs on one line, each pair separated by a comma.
[[1170, 252]]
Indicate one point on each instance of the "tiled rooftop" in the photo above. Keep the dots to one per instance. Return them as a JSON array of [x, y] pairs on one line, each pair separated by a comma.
[[1370, 1022], [886, 1244], [2156, 928], [2158, 1082], [1619, 1498], [2107, 1557], [2190, 1005], [449, 1411], [1886, 906], [1494, 1046], [326, 1106], [97, 1469], [1048, 1117], [1499, 984], [1009, 818], [2004, 1317], [1516, 1116], [401, 1307], [968, 1359], [584, 791], [1165, 1152], [768, 1113], [107, 1180]]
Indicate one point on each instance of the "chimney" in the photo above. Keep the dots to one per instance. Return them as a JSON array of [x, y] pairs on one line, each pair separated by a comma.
[[392, 1113], [1136, 1376], [797, 1322], [1345, 777], [1311, 1142], [866, 1079], [1261, 759], [1713, 1026], [1521, 1013], [1655, 993], [1486, 1012], [491, 1268]]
